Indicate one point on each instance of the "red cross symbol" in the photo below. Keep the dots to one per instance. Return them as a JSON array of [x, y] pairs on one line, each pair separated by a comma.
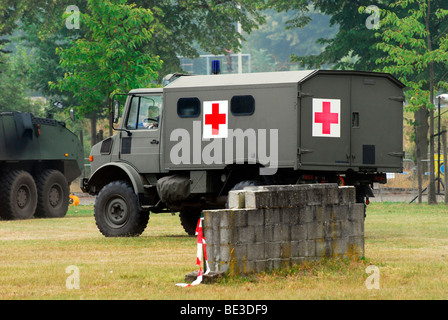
[[215, 119], [326, 118]]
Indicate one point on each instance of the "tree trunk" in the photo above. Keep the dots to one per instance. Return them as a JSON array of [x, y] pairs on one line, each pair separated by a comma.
[[111, 121], [432, 183], [421, 143], [93, 119]]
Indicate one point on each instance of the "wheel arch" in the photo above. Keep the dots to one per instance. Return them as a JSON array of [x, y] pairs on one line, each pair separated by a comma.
[[112, 172]]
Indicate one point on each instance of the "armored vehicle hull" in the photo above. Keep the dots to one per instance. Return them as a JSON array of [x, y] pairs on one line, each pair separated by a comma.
[[39, 158]]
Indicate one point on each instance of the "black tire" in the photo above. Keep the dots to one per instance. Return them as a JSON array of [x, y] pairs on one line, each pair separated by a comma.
[[189, 219], [52, 194], [18, 196], [246, 183], [117, 211]]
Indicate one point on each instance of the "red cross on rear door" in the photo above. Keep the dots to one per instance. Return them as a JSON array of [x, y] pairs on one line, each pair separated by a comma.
[[326, 118]]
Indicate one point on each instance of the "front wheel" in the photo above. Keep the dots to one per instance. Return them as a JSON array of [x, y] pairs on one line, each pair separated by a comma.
[[117, 211]]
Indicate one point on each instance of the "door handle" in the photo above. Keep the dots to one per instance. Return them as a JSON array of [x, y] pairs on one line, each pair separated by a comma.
[[154, 141]]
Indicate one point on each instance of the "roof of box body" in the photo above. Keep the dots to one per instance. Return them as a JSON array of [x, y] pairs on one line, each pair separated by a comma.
[[258, 78], [264, 78]]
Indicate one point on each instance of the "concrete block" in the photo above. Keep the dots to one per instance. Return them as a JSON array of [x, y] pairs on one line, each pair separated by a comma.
[[285, 250], [236, 199], [299, 232], [291, 216], [255, 217], [340, 247], [332, 229], [355, 247], [225, 252], [346, 228], [315, 230], [320, 194], [240, 218], [322, 213], [269, 233], [356, 212], [239, 252], [324, 248], [259, 232], [340, 212], [278, 233], [226, 236], [256, 199], [285, 216], [347, 194], [273, 250], [245, 235], [256, 251], [297, 260], [260, 266], [224, 218], [306, 215]]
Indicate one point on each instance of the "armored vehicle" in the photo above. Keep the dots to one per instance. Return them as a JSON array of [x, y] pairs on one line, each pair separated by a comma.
[[39, 158], [183, 147]]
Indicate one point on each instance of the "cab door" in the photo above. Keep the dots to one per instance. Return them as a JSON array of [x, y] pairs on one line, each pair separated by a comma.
[[140, 145]]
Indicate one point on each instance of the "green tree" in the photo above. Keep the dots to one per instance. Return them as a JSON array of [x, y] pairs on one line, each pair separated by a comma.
[[272, 45], [15, 79], [351, 47], [415, 47], [193, 26], [110, 58]]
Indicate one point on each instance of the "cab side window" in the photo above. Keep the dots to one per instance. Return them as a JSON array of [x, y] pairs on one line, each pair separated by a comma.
[[144, 113]]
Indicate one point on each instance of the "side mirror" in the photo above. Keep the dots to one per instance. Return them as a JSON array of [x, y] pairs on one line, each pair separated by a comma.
[[116, 111]]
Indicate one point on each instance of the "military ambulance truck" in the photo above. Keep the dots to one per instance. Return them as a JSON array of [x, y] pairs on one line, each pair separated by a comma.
[[39, 158], [181, 148]]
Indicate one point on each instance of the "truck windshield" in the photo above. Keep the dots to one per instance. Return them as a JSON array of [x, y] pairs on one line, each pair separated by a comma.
[[144, 112]]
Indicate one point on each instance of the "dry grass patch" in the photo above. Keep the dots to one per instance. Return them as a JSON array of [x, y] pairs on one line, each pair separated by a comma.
[[408, 243]]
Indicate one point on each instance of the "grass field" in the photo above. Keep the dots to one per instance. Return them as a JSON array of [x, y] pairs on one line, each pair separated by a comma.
[[408, 244]]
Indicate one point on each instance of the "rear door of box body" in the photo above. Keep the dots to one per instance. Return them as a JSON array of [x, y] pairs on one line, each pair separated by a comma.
[[377, 123], [350, 121], [325, 123]]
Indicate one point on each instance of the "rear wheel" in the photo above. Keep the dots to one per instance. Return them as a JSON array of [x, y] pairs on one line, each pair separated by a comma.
[[189, 219], [117, 211], [53, 194], [18, 195]]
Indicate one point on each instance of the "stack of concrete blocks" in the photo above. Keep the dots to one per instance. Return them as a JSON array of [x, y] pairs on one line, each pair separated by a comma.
[[271, 227]]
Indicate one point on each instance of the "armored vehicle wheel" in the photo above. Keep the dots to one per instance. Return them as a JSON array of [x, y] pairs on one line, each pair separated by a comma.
[[18, 196], [52, 194], [117, 212], [189, 219]]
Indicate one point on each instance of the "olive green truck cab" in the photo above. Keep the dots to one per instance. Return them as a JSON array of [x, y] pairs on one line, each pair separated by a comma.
[[181, 148], [39, 159]]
